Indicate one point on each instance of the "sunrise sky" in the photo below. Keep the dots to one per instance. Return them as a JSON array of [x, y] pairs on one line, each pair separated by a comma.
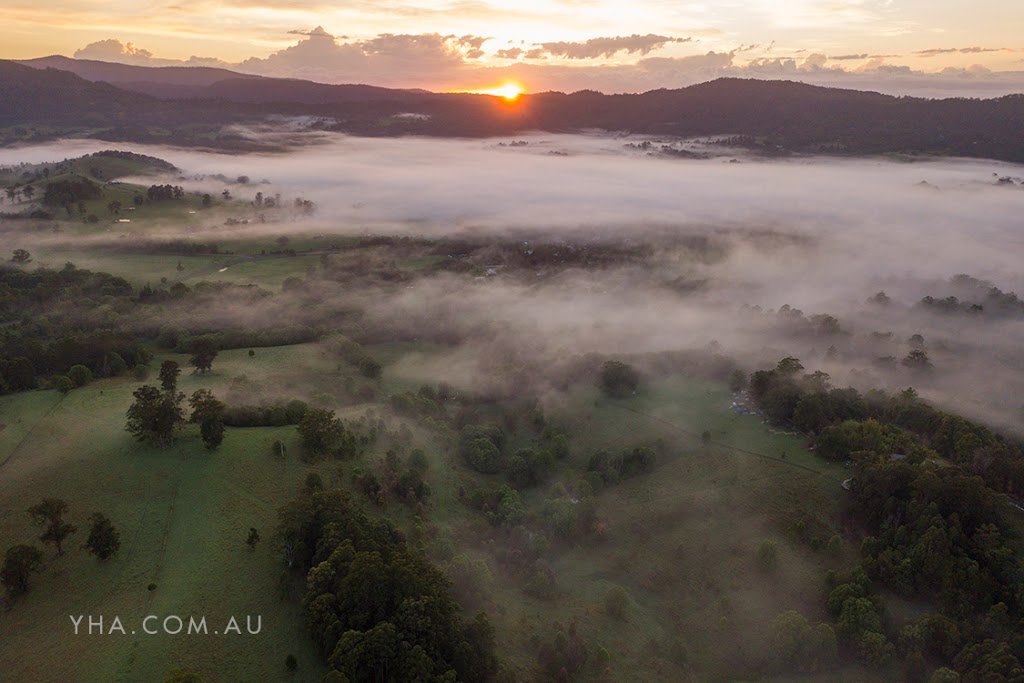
[[915, 46]]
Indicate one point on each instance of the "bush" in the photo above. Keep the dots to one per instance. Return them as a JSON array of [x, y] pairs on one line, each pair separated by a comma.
[[768, 554], [616, 601], [418, 461], [80, 375], [63, 384], [619, 380]]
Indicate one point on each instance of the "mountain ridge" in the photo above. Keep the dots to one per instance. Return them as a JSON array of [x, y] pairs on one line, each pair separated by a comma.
[[770, 116]]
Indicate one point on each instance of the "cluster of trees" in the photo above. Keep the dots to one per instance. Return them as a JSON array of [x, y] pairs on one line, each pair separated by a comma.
[[406, 483], [183, 341], [156, 193], [46, 335], [70, 191], [157, 412], [984, 298], [619, 380], [377, 608], [322, 433], [845, 424], [937, 533], [21, 561], [271, 415], [353, 353], [483, 448], [605, 468]]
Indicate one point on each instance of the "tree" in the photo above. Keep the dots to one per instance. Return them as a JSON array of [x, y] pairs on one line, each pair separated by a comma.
[[104, 540], [789, 366], [737, 381], [418, 461], [615, 602], [21, 256], [203, 353], [208, 413], [28, 191], [207, 200], [19, 563], [155, 414], [619, 380], [80, 375], [63, 384], [320, 431], [768, 554], [291, 663], [252, 539], [917, 361], [169, 371], [482, 455], [49, 514]]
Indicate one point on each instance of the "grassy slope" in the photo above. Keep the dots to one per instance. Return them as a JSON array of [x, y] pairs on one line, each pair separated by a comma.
[[183, 515], [682, 541]]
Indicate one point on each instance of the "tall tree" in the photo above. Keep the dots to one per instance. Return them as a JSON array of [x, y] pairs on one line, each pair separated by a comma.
[[203, 353], [208, 413], [169, 371], [49, 514], [19, 563], [104, 540], [155, 414]]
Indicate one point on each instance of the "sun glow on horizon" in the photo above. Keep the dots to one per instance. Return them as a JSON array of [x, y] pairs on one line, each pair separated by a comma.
[[510, 90]]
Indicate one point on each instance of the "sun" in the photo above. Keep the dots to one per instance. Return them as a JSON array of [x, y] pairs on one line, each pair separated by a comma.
[[509, 90]]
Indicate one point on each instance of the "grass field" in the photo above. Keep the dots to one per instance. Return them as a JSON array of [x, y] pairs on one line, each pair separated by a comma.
[[183, 515], [681, 541]]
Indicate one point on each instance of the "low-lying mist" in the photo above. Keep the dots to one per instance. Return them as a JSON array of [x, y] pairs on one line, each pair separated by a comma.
[[721, 244]]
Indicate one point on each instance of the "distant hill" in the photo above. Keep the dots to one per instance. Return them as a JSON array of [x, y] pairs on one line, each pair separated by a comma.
[[55, 96], [772, 116], [121, 74], [180, 82]]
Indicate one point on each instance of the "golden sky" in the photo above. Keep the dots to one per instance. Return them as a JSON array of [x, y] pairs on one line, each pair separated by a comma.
[[561, 44]]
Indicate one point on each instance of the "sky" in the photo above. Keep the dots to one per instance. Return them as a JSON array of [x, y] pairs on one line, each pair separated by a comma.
[[931, 48]]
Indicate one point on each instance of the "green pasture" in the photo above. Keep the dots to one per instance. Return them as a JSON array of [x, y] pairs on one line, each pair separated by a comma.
[[681, 541]]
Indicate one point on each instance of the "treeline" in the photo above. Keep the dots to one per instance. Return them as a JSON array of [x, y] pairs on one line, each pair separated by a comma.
[[377, 608], [240, 339], [34, 347], [271, 415], [845, 424], [70, 191], [940, 535], [158, 193], [935, 532], [982, 298]]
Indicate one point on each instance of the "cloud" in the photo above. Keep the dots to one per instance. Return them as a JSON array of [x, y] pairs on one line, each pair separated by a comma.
[[457, 62], [607, 47], [957, 50], [318, 32], [112, 50]]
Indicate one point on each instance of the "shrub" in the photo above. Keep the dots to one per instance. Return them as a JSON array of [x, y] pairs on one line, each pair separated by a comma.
[[80, 375], [616, 601]]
